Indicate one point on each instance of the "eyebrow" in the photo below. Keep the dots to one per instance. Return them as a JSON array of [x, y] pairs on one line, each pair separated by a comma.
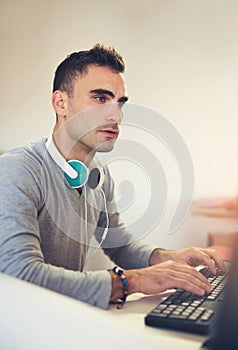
[[122, 99]]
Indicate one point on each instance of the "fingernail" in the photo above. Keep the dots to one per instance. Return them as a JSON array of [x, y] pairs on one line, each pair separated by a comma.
[[202, 292], [208, 289]]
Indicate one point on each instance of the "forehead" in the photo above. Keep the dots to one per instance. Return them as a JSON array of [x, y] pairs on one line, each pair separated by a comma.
[[100, 77]]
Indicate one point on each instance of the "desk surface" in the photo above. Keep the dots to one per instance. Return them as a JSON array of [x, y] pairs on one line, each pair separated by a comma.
[[36, 318], [133, 313]]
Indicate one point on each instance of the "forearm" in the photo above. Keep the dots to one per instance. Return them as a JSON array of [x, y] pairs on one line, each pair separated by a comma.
[[135, 255], [24, 260], [121, 246]]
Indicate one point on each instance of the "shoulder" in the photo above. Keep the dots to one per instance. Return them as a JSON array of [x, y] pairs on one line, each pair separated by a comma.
[[19, 158], [21, 167]]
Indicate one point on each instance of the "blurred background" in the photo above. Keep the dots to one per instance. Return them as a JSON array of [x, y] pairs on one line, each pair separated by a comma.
[[181, 58]]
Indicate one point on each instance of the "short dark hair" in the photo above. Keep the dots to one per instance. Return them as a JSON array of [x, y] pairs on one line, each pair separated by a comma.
[[77, 64]]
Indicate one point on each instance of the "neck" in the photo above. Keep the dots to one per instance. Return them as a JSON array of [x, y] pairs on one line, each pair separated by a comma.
[[71, 149]]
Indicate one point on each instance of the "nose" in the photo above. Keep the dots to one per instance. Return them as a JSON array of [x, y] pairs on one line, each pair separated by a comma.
[[114, 113]]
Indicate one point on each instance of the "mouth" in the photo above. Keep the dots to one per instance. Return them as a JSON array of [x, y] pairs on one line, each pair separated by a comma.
[[110, 133]]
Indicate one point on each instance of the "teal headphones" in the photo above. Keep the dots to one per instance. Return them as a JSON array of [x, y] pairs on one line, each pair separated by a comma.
[[77, 175], [75, 171]]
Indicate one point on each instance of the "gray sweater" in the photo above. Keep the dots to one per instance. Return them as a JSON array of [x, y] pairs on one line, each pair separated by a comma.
[[46, 227]]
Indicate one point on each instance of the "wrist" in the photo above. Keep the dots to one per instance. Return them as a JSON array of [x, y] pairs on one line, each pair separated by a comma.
[[133, 284], [124, 283], [117, 288], [159, 255], [133, 281]]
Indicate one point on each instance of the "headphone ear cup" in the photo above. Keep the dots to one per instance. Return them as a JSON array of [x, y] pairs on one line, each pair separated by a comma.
[[96, 178], [82, 172]]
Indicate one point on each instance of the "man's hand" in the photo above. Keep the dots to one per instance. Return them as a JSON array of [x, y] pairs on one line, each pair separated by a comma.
[[190, 256], [167, 275], [173, 269]]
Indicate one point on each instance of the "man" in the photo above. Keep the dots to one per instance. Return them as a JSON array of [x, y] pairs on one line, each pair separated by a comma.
[[46, 224]]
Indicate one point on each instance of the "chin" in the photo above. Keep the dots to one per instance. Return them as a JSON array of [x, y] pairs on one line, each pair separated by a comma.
[[105, 147]]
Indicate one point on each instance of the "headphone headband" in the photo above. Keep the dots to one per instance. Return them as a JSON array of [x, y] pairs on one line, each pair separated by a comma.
[[75, 171], [59, 159]]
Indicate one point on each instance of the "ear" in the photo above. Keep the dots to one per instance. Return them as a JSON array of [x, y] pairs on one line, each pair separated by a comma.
[[59, 102]]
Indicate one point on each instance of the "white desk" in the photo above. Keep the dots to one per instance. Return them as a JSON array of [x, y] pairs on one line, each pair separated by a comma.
[[133, 313], [34, 318]]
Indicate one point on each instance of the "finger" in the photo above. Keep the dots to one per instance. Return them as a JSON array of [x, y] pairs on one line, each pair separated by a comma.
[[205, 259], [191, 271], [192, 285], [216, 256], [191, 274]]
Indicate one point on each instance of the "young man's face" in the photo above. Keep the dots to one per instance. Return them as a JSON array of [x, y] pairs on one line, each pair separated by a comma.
[[93, 114]]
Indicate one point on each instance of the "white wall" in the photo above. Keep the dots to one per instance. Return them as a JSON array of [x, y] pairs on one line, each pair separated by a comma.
[[181, 60]]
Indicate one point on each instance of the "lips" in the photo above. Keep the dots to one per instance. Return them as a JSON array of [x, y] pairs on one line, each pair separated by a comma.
[[111, 133]]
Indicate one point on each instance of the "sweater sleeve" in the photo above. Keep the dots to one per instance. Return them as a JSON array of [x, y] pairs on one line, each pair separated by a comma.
[[20, 242], [120, 245]]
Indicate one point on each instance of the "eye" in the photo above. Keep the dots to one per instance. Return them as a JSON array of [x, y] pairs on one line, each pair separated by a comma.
[[101, 98]]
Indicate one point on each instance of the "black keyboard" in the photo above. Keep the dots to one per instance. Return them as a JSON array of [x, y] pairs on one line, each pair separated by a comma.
[[187, 311]]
